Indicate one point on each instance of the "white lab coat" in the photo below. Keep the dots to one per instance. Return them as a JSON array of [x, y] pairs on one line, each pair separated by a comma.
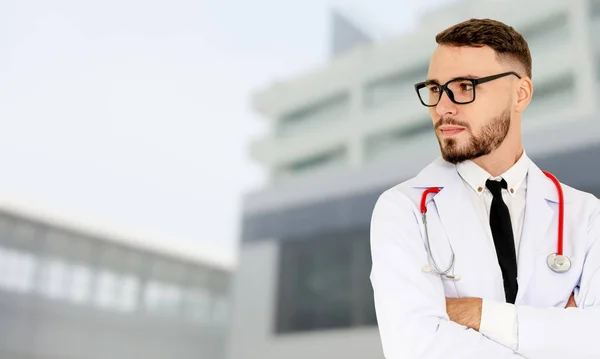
[[410, 303]]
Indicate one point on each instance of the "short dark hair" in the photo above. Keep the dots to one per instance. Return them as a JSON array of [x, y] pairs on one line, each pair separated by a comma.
[[505, 40]]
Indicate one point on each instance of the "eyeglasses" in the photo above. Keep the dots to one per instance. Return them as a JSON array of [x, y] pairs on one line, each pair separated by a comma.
[[460, 90]]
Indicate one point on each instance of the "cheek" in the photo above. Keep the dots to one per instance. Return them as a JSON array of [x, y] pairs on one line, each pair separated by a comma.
[[475, 130], [475, 116]]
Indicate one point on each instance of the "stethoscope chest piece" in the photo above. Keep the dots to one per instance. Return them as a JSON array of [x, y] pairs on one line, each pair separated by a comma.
[[559, 263]]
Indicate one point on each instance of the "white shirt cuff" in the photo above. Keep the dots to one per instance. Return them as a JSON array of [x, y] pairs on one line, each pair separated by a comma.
[[499, 322]]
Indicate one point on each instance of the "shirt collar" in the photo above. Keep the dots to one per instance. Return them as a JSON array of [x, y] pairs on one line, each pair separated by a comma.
[[476, 176]]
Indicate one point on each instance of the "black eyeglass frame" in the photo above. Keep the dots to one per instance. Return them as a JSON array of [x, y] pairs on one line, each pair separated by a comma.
[[444, 88]]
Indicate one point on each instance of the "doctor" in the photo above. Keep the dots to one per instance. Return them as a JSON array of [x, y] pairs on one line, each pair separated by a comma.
[[490, 228]]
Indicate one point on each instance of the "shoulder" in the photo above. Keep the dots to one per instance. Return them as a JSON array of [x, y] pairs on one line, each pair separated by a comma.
[[579, 198], [407, 194], [575, 195], [585, 204], [401, 197]]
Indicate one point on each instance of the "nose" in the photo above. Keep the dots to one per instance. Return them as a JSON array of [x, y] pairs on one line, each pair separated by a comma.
[[446, 107]]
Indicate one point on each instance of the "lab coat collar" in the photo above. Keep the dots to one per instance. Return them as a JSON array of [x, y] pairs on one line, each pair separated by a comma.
[[442, 174], [516, 176], [476, 176]]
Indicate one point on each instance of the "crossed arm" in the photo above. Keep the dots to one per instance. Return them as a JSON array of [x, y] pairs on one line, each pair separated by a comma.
[[467, 311]]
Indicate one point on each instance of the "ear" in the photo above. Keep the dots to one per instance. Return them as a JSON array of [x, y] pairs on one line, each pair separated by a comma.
[[524, 94]]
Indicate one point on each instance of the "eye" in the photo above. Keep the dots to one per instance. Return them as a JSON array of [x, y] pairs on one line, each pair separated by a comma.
[[465, 86], [433, 88]]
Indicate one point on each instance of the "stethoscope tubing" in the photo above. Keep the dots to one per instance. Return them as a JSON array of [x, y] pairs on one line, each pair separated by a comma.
[[561, 219]]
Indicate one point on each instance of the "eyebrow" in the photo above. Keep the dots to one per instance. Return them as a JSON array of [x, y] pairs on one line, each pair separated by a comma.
[[457, 77]]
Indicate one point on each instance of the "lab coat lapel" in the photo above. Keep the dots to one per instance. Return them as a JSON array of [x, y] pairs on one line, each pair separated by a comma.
[[539, 215], [474, 251]]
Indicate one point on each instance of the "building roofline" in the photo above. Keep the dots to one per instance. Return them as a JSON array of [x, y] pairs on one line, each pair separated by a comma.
[[136, 239]]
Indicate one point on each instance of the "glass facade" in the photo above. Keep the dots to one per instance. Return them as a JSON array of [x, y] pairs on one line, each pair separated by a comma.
[[332, 109], [552, 95], [382, 144], [334, 158], [394, 87], [324, 282], [48, 273], [595, 8], [115, 279], [549, 33]]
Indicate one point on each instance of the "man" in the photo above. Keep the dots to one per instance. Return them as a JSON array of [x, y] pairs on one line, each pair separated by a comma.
[[491, 226]]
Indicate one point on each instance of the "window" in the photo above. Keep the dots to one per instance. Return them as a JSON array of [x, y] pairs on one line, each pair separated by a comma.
[[115, 291], [394, 87], [53, 278], [128, 297], [329, 159], [553, 95], [162, 298], [548, 33], [79, 285], [106, 288], [324, 283], [17, 270], [386, 143], [595, 8], [196, 305], [117, 285], [64, 271], [331, 109]]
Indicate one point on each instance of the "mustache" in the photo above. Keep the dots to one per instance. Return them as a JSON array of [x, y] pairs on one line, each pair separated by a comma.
[[452, 122]]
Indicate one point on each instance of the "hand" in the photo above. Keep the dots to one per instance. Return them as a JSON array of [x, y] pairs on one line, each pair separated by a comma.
[[571, 303], [465, 311]]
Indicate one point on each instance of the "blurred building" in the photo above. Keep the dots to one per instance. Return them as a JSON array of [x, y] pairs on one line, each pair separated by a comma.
[[69, 290], [346, 132]]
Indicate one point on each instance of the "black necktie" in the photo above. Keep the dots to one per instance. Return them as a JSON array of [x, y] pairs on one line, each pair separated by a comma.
[[503, 239]]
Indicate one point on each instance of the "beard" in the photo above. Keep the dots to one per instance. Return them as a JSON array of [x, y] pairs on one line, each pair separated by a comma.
[[490, 138]]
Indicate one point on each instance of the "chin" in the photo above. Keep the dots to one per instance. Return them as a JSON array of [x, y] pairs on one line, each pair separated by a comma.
[[453, 152], [451, 143]]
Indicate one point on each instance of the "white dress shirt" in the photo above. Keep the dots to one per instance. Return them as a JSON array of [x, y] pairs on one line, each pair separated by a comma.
[[498, 320]]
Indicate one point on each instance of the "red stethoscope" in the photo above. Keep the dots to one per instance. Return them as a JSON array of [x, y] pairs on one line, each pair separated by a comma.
[[558, 262]]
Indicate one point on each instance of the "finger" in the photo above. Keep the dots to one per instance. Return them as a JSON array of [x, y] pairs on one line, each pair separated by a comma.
[[571, 303]]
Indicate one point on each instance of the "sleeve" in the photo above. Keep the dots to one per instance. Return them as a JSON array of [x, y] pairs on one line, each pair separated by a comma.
[[410, 304], [571, 332], [499, 322]]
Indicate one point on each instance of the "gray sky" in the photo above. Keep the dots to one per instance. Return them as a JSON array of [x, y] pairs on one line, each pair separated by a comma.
[[136, 113]]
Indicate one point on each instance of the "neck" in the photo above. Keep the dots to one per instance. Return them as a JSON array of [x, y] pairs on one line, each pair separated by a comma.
[[501, 159]]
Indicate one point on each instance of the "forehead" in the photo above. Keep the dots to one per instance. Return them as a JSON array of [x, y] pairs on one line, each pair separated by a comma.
[[448, 62]]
